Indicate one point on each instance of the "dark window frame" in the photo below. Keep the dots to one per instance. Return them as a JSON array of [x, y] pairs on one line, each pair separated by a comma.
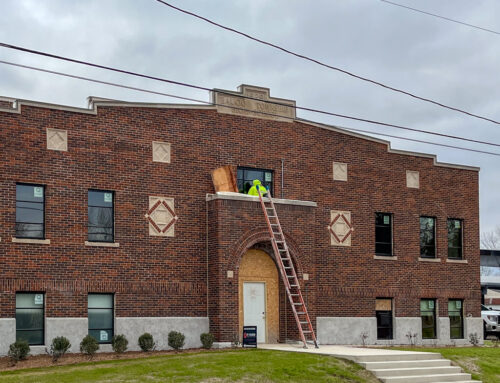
[[390, 226], [43, 212], [31, 308], [103, 207], [391, 327], [103, 308], [264, 183], [461, 311], [434, 245], [434, 313], [461, 232]]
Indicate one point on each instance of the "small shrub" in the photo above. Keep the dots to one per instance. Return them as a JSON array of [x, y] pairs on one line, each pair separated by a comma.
[[59, 346], [19, 350], [146, 342], [364, 337], [474, 339], [89, 346], [119, 343], [207, 340], [176, 340]]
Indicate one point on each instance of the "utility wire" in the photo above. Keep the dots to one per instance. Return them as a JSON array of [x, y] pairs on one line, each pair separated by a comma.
[[237, 108], [240, 95], [302, 56], [441, 17]]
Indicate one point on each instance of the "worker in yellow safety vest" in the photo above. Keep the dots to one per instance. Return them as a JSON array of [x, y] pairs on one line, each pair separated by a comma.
[[253, 189]]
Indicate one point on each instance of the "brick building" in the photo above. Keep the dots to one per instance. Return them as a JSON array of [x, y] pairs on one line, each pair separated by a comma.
[[109, 223]]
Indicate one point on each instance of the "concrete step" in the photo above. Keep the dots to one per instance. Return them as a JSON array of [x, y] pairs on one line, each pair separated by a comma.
[[461, 377], [417, 371], [406, 364], [398, 357]]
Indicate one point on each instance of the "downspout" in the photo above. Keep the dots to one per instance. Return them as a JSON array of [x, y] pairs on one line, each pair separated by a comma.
[[282, 178]]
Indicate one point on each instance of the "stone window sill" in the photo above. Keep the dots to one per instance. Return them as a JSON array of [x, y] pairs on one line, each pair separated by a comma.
[[31, 241], [456, 261], [386, 257], [438, 260], [102, 244]]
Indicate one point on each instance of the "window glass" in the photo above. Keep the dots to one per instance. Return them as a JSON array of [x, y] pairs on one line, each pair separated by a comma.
[[245, 177], [101, 317], [30, 207], [383, 234], [30, 317], [455, 312], [383, 313], [427, 237], [428, 315], [455, 238], [100, 216]]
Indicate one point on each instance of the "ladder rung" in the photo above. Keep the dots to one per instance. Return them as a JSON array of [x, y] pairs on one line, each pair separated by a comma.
[[306, 331], [294, 285], [294, 295], [288, 267], [274, 224], [306, 322], [301, 312], [282, 250], [291, 276], [280, 241], [298, 304]]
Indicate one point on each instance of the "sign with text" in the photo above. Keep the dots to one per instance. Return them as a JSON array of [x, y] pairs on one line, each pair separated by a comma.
[[249, 336]]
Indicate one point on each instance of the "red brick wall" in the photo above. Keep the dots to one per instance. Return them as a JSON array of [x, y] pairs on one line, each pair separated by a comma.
[[168, 276]]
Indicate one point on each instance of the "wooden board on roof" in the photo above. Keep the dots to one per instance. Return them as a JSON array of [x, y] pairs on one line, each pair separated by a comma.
[[224, 179]]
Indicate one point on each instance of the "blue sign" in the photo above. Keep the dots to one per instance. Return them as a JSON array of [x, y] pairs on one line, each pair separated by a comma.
[[249, 336]]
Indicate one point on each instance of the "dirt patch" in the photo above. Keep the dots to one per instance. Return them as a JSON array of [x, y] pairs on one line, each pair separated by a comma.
[[36, 361]]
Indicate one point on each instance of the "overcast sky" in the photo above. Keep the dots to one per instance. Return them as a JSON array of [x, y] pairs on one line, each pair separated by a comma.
[[451, 63]]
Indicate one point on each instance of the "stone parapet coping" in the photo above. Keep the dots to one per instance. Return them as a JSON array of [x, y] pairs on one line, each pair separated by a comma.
[[102, 244], [31, 241], [248, 198]]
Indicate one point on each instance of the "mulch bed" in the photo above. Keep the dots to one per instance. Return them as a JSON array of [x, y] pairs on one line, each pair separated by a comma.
[[35, 361]]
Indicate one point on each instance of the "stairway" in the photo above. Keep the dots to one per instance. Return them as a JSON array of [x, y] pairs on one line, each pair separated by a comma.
[[414, 368]]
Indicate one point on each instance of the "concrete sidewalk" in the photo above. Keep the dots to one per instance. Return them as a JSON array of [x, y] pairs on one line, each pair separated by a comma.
[[353, 353], [390, 366]]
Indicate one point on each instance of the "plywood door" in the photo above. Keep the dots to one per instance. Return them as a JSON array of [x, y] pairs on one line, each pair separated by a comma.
[[254, 307]]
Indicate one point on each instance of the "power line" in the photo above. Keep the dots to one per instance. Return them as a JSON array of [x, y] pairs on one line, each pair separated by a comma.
[[237, 108], [179, 83], [441, 17], [302, 56]]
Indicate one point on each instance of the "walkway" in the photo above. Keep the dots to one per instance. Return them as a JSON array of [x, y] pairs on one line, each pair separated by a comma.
[[390, 366]]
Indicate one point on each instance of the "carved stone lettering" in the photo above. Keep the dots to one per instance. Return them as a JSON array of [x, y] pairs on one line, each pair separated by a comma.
[[269, 108]]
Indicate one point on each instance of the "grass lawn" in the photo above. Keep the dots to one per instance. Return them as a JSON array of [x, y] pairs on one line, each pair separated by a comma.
[[482, 362], [214, 367]]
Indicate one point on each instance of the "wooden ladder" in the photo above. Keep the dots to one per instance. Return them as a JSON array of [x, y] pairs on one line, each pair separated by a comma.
[[287, 271]]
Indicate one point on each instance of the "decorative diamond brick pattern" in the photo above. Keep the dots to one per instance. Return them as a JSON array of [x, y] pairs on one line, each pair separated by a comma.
[[340, 228], [161, 217], [412, 179], [339, 171], [161, 152], [57, 139]]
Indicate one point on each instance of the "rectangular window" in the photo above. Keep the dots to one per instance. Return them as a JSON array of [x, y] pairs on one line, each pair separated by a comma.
[[383, 311], [101, 317], [30, 318], [455, 238], [383, 234], [456, 314], [428, 237], [428, 315], [30, 211], [245, 177], [101, 216]]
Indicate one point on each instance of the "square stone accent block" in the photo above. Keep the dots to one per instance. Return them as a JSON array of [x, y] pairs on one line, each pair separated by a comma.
[[339, 171], [161, 152], [340, 228], [57, 139], [161, 217], [412, 179]]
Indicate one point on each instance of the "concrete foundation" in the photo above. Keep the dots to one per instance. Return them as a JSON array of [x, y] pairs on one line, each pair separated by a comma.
[[7, 334], [349, 331], [133, 328]]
